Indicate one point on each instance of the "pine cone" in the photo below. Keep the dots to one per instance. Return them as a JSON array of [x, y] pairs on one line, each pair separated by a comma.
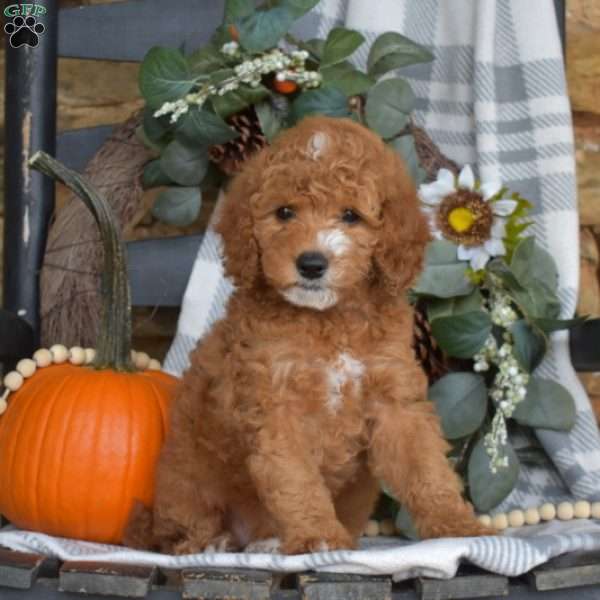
[[428, 353], [230, 157]]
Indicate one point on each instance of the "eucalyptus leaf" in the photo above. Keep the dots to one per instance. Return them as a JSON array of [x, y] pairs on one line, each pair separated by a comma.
[[164, 76], [441, 252], [388, 107], [405, 524], [550, 325], [236, 100], [263, 29], [392, 51], [236, 9], [205, 61], [461, 402], [347, 78], [529, 344], [315, 46], [532, 265], [184, 164], [547, 404], [299, 7], [268, 119], [463, 335], [198, 126], [444, 281], [154, 176], [488, 489], [498, 267], [536, 302], [405, 147], [340, 44], [444, 307], [154, 128], [178, 206], [325, 100]]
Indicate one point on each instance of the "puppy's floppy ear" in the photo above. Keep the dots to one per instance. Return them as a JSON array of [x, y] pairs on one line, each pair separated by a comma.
[[236, 225], [404, 234]]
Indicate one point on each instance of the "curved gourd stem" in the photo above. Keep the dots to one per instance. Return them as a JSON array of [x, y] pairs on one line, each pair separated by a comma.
[[114, 342]]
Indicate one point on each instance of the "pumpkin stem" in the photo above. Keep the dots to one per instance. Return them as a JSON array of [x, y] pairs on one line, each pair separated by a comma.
[[114, 343]]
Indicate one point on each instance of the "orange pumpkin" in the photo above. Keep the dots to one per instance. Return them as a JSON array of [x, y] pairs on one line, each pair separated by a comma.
[[78, 444]]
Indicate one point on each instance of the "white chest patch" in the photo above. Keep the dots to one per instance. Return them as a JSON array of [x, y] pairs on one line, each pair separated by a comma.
[[346, 369], [334, 240]]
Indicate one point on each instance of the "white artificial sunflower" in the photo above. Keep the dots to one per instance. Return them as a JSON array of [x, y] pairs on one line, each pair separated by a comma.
[[468, 213]]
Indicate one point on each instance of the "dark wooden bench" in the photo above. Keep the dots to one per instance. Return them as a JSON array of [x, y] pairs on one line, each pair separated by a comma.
[[33, 577]]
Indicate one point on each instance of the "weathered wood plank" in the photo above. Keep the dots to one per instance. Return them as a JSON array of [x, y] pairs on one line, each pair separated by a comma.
[[568, 571], [106, 579], [18, 569], [337, 586], [462, 586], [230, 584]]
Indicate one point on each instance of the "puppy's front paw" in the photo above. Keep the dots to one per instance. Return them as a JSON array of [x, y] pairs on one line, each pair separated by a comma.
[[341, 540], [221, 543], [464, 524], [267, 546]]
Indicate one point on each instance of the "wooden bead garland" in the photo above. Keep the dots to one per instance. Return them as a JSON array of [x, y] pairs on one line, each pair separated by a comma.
[[564, 511], [59, 354]]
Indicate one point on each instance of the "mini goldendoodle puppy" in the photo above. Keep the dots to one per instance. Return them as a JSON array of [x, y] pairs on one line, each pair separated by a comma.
[[306, 394]]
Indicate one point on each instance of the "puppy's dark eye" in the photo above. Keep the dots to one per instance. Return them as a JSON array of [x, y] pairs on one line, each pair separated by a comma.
[[285, 213], [349, 216]]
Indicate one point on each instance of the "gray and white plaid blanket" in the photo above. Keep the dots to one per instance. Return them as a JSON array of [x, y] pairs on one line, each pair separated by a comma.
[[493, 97]]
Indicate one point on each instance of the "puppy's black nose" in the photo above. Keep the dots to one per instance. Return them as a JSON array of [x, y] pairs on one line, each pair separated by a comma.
[[312, 265]]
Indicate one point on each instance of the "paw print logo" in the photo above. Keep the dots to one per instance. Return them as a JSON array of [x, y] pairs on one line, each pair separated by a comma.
[[24, 31]]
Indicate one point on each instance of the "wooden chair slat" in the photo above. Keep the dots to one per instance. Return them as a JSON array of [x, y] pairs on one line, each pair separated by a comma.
[[127, 30], [484, 585], [106, 579], [233, 584], [159, 269], [568, 571], [18, 569], [76, 147], [338, 586]]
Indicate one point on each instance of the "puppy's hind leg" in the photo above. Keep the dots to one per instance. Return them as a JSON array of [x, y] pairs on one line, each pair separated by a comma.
[[355, 503], [189, 502]]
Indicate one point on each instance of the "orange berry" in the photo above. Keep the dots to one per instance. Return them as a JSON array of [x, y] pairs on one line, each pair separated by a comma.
[[285, 87], [234, 33]]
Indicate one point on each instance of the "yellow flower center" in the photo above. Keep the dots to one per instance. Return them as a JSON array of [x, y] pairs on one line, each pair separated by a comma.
[[461, 219]]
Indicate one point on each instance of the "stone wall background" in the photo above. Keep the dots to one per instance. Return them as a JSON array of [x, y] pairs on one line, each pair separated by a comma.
[[94, 93]]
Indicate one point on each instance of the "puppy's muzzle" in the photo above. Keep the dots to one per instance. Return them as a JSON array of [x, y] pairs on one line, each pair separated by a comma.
[[312, 265]]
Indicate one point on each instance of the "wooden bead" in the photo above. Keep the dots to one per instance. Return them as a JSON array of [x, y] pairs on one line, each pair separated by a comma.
[[516, 518], [142, 361], [532, 516], [387, 527], [372, 528], [595, 510], [582, 509], [547, 511], [154, 365], [485, 520], [42, 357], [60, 354], [13, 381], [564, 511], [90, 355], [76, 355], [26, 367], [500, 521]]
